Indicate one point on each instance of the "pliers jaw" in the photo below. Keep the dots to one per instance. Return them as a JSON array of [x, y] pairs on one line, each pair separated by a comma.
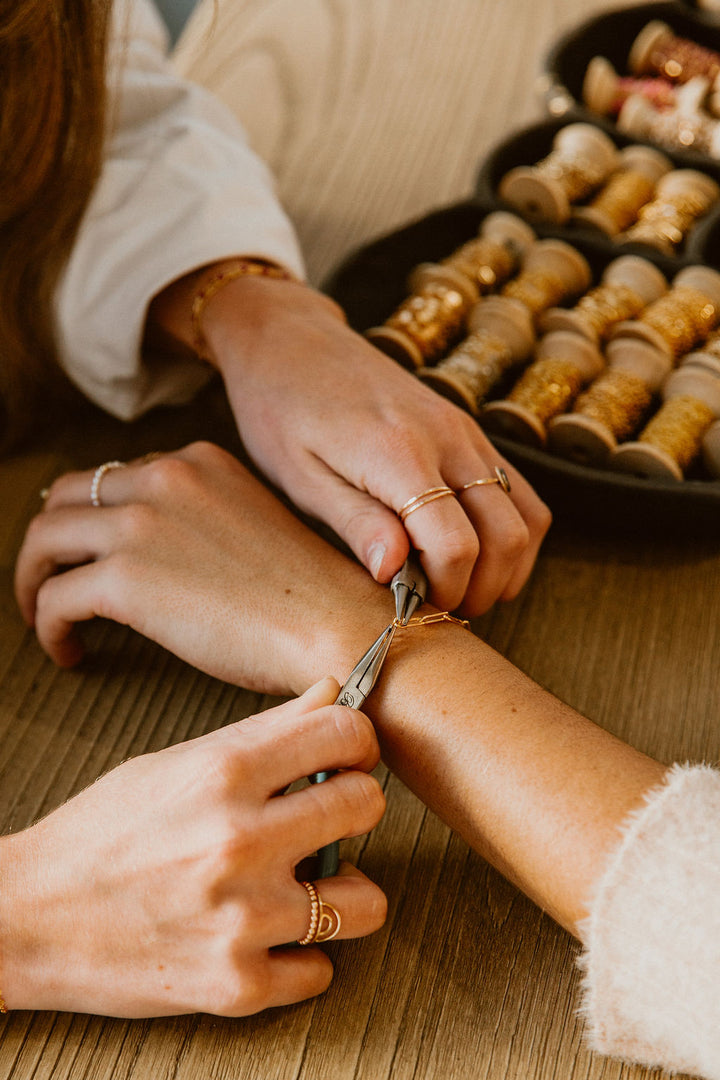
[[409, 587]]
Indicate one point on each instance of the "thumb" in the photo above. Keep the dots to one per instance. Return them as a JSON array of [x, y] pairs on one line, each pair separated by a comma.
[[376, 536], [370, 529]]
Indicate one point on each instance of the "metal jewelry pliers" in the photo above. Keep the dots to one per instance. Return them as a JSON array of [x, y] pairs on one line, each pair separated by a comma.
[[409, 587]]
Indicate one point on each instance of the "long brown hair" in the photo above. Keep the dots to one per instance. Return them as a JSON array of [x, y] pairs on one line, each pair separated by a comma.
[[52, 116]]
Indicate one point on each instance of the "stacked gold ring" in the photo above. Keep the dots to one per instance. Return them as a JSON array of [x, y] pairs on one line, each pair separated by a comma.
[[499, 477], [423, 499], [325, 921]]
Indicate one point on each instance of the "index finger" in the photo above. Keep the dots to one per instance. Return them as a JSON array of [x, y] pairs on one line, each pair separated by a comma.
[[306, 735]]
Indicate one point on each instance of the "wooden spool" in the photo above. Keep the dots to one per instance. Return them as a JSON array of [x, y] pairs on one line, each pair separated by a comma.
[[564, 364], [502, 335], [628, 189], [675, 333], [433, 317], [672, 440], [628, 285], [681, 128], [614, 405], [552, 271], [605, 92], [681, 197], [483, 263], [658, 50], [581, 158], [653, 35]]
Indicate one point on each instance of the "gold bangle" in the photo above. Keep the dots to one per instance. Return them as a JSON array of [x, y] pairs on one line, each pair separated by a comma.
[[230, 272], [3, 1006]]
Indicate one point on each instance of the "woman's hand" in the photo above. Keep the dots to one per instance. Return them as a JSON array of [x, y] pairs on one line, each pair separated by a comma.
[[351, 437], [192, 551], [168, 885]]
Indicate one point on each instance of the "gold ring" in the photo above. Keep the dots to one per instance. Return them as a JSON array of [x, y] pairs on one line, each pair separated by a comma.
[[97, 479], [500, 477], [423, 499], [325, 921]]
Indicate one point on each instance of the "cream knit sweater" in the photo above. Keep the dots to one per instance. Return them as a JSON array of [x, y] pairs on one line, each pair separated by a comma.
[[652, 940]]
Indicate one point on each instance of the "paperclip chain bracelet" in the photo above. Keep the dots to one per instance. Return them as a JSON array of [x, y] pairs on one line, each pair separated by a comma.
[[428, 620]]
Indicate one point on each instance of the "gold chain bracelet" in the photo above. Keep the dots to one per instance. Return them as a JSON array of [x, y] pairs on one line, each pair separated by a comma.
[[230, 272], [428, 620]]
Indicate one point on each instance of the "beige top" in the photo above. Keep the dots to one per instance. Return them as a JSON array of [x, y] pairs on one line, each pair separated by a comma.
[[652, 960], [179, 188]]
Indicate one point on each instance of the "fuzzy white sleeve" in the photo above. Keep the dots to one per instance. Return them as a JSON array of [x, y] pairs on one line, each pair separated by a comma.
[[179, 188], [652, 959]]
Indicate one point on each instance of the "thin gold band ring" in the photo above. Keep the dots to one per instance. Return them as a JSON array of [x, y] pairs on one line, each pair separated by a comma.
[[423, 499]]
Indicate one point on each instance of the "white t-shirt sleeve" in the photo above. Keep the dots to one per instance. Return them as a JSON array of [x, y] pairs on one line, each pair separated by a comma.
[[179, 188], [652, 959]]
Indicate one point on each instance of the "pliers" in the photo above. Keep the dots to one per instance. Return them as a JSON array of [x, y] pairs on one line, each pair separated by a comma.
[[409, 587]]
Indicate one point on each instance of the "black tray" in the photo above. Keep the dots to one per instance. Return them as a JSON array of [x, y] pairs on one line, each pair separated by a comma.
[[530, 144], [611, 35], [372, 282]]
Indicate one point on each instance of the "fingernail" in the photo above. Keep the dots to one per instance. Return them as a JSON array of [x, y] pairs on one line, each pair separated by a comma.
[[376, 556]]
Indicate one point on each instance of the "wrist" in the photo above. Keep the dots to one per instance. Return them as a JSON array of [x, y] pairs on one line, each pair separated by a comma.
[[347, 614], [253, 316]]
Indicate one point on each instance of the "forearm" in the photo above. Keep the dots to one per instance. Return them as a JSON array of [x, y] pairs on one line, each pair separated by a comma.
[[530, 784]]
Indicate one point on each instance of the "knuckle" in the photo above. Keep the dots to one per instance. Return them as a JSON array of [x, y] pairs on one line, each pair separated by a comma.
[[460, 547], [168, 476], [247, 925], [44, 600], [57, 491], [36, 529], [207, 453], [226, 769], [115, 573], [364, 799], [514, 538], [114, 583], [541, 519], [239, 992], [137, 524], [234, 848], [377, 908]]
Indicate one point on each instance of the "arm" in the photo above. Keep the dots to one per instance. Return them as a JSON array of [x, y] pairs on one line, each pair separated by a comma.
[[340, 427], [155, 215], [351, 437], [574, 816], [527, 781]]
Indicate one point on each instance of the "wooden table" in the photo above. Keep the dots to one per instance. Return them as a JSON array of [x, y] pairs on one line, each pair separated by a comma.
[[370, 114]]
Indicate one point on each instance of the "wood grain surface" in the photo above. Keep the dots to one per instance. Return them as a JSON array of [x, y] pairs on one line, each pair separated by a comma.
[[370, 113]]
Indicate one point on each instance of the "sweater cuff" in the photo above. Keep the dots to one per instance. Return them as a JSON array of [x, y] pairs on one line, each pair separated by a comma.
[[651, 990]]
